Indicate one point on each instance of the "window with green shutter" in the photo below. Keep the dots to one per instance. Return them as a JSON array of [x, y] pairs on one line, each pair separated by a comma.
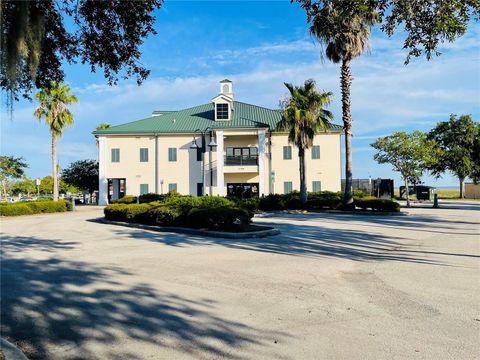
[[316, 152], [172, 154], [115, 155], [316, 186], [143, 155], [143, 189], [287, 187], [172, 187], [287, 153]]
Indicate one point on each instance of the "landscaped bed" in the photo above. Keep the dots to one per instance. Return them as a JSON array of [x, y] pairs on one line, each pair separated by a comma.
[[215, 213], [34, 207]]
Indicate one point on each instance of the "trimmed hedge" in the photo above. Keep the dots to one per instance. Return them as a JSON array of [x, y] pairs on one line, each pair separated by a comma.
[[382, 205], [214, 217], [218, 218], [34, 207], [316, 201]]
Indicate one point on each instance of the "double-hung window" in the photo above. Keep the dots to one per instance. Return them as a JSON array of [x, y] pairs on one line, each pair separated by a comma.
[[172, 154], [316, 152], [287, 187], [143, 154], [287, 153], [316, 186], [115, 155]]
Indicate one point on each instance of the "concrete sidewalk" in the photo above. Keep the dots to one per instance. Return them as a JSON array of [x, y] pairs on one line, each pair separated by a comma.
[[328, 287]]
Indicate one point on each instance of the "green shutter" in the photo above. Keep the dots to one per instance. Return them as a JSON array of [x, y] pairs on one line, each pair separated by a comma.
[[143, 155], [316, 186], [172, 187], [287, 153], [287, 187], [172, 154], [143, 189], [115, 155], [316, 152]]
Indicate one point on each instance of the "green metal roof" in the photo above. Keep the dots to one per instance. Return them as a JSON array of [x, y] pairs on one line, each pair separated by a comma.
[[245, 116]]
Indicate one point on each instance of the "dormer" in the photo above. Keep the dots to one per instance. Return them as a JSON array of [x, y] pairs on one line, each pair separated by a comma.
[[223, 102]]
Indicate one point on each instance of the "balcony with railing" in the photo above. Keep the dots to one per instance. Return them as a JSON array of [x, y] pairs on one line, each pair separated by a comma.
[[241, 159]]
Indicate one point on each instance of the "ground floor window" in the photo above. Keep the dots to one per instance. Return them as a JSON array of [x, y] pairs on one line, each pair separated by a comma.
[[287, 187], [172, 187], [316, 186], [242, 190], [199, 189], [143, 189]]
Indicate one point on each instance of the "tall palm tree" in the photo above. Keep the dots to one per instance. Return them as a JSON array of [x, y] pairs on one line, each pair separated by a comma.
[[54, 101], [102, 126], [343, 29], [303, 117]]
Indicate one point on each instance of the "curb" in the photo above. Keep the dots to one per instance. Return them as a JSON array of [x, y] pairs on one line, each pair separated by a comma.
[[189, 231], [338, 212], [10, 351]]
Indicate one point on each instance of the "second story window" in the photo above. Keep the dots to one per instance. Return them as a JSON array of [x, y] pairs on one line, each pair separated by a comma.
[[241, 156], [287, 153], [315, 152], [172, 154], [143, 155], [115, 155], [222, 111]]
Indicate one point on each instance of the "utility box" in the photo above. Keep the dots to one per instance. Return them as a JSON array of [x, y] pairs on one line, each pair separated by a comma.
[[425, 192], [403, 192]]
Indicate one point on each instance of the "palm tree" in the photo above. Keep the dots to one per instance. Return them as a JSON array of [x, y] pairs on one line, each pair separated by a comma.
[[54, 101], [102, 126], [344, 32], [303, 117]]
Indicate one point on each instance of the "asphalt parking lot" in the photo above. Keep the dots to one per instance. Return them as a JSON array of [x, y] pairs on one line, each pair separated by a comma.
[[330, 286]]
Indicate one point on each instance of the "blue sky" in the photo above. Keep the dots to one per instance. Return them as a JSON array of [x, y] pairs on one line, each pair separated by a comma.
[[259, 45]]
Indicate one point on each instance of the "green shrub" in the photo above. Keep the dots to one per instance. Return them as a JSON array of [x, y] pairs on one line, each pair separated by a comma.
[[163, 215], [15, 210], [324, 200], [150, 197], [292, 201], [382, 205], [34, 207], [220, 218], [128, 199], [272, 202], [250, 204], [359, 194], [116, 212], [138, 213]]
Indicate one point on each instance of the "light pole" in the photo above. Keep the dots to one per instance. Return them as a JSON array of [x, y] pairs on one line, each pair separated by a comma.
[[38, 182], [203, 149]]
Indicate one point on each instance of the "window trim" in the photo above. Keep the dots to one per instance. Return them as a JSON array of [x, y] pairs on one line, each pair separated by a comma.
[[143, 185], [145, 152], [115, 155], [289, 152], [285, 187], [314, 157], [223, 114], [172, 151]]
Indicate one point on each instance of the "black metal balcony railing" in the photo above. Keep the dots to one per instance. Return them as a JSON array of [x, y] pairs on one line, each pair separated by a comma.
[[241, 160]]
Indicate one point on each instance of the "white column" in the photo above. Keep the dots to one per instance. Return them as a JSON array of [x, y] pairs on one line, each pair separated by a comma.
[[261, 162], [102, 176], [220, 176]]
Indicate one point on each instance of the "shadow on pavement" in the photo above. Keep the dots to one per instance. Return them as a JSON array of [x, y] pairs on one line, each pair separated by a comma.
[[58, 304]]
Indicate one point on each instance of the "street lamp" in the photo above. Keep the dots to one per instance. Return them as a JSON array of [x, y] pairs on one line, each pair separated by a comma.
[[212, 144]]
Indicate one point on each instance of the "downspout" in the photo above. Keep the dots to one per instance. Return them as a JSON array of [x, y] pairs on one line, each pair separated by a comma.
[[156, 163], [270, 180], [210, 165]]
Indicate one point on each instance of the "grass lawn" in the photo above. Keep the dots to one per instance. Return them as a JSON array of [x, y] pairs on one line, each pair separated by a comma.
[[448, 193]]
